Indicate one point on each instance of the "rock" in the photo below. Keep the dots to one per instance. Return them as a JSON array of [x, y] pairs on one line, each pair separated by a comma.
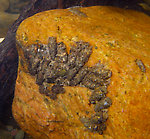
[[9, 127], [119, 37], [5, 135], [20, 135]]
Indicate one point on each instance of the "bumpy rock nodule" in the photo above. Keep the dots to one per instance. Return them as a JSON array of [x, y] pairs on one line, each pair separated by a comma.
[[52, 63]]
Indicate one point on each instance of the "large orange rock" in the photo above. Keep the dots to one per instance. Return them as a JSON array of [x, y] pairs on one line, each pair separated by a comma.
[[121, 40]]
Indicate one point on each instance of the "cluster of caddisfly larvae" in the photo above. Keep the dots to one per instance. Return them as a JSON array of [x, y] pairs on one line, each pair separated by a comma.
[[52, 63]]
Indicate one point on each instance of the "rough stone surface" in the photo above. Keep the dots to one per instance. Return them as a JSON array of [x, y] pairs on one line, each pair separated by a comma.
[[118, 39]]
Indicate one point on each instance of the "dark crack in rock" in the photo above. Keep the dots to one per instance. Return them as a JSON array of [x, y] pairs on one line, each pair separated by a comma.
[[52, 63]]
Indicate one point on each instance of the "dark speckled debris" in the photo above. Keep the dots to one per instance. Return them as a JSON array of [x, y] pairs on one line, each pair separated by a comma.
[[94, 124], [103, 104], [79, 76], [53, 64], [96, 96], [61, 56], [56, 89], [52, 45], [44, 88], [97, 118], [140, 65]]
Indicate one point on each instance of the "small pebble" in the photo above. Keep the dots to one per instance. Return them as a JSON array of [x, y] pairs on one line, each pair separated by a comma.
[[9, 127], [19, 135]]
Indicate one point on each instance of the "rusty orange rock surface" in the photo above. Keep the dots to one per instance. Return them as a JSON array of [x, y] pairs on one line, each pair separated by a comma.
[[119, 37]]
